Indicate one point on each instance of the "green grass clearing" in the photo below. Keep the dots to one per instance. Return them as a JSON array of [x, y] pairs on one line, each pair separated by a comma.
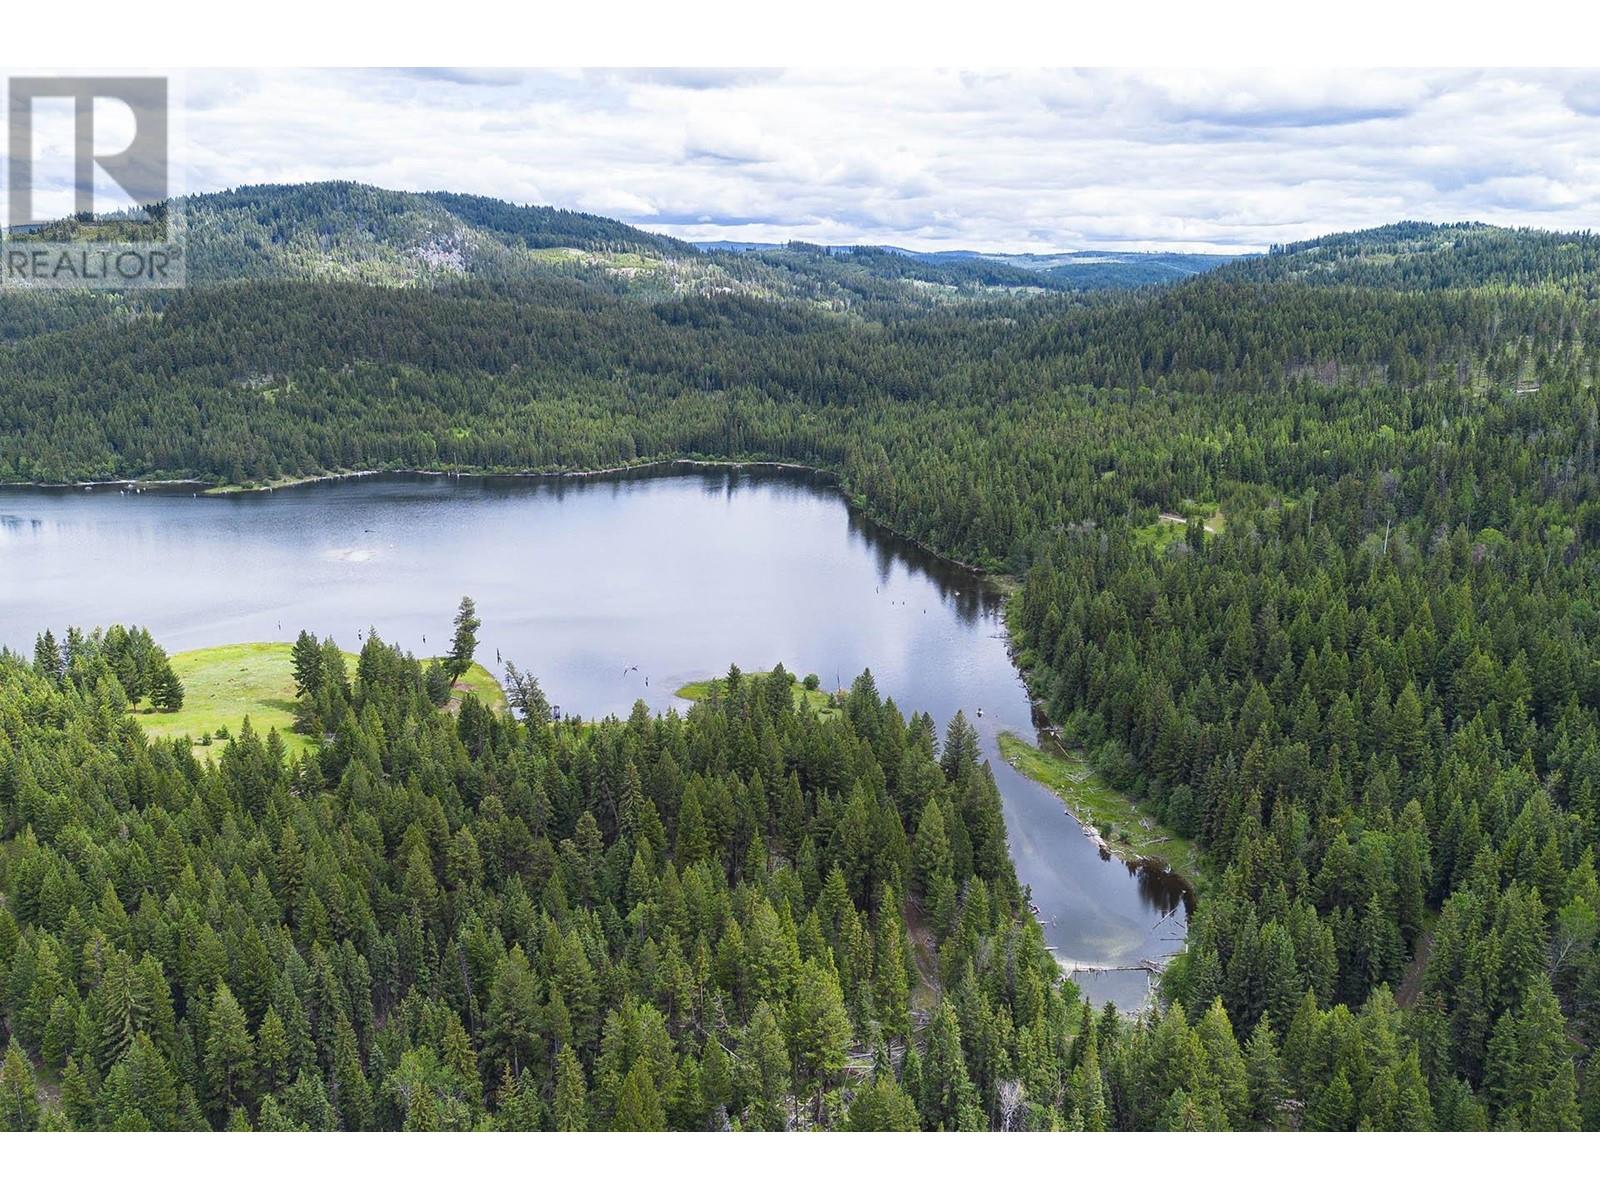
[[1169, 527], [225, 684], [481, 684], [1098, 805], [820, 701]]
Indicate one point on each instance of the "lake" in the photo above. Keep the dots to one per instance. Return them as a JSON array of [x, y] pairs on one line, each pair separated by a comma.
[[580, 581]]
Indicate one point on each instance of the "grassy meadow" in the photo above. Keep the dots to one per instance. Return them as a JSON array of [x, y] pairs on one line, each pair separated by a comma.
[[225, 684]]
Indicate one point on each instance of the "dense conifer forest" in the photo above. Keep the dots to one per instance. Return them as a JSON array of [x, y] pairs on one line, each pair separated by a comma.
[[1369, 688]]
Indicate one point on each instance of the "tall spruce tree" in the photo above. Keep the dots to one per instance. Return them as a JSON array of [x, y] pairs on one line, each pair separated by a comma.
[[464, 641]]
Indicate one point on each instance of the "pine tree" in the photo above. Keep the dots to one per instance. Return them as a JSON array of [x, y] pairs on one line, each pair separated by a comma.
[[931, 859], [464, 643], [1555, 1105], [691, 845], [571, 1102], [166, 689], [819, 1029], [1335, 1107], [59, 1031], [518, 1107], [230, 1053], [436, 682], [949, 1100], [308, 661], [1088, 1084], [1589, 1098], [77, 1098], [272, 1119], [526, 696], [458, 1063], [639, 1107], [121, 1011], [305, 1103], [1264, 1077], [761, 1072], [1413, 1107], [1406, 727], [1225, 1065], [272, 1051], [351, 1094], [47, 658], [19, 1098], [892, 984], [960, 757], [882, 1106], [716, 1080], [511, 1025], [151, 1088], [1412, 869]]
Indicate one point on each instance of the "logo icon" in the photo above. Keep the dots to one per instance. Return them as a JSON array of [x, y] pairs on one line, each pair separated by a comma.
[[133, 241]]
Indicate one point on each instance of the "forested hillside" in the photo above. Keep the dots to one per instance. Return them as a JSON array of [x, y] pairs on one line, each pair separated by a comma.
[[351, 231], [442, 921], [1075, 270], [1413, 254], [339, 231], [971, 271], [1371, 691]]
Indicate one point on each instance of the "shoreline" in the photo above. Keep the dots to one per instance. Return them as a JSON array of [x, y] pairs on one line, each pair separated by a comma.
[[1125, 849], [998, 580], [272, 485]]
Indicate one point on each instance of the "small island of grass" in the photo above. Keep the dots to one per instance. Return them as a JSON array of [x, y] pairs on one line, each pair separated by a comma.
[[806, 692], [225, 684]]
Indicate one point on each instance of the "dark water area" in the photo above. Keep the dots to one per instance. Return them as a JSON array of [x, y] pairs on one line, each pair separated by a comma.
[[578, 581]]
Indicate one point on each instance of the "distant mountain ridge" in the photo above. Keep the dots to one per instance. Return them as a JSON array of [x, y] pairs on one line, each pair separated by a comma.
[[1056, 271], [353, 232], [343, 231]]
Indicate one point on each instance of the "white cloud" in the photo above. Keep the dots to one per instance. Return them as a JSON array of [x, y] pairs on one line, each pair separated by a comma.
[[935, 159]]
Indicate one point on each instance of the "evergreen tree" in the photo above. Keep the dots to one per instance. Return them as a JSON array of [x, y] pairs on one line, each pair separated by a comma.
[[47, 659], [512, 1026], [571, 1102], [351, 1094], [761, 1071], [1264, 1076], [166, 689], [639, 1107], [272, 1053], [1334, 1108], [882, 1106], [307, 658], [230, 1053], [77, 1098], [819, 1030], [464, 641], [19, 1100], [949, 1100]]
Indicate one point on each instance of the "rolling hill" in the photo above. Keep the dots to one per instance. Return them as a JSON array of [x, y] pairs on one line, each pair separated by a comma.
[[345, 232], [1415, 255]]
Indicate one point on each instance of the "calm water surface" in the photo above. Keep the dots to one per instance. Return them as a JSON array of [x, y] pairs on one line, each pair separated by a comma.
[[577, 581]]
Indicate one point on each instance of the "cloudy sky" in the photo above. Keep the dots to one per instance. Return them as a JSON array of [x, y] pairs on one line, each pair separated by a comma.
[[1005, 161]]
